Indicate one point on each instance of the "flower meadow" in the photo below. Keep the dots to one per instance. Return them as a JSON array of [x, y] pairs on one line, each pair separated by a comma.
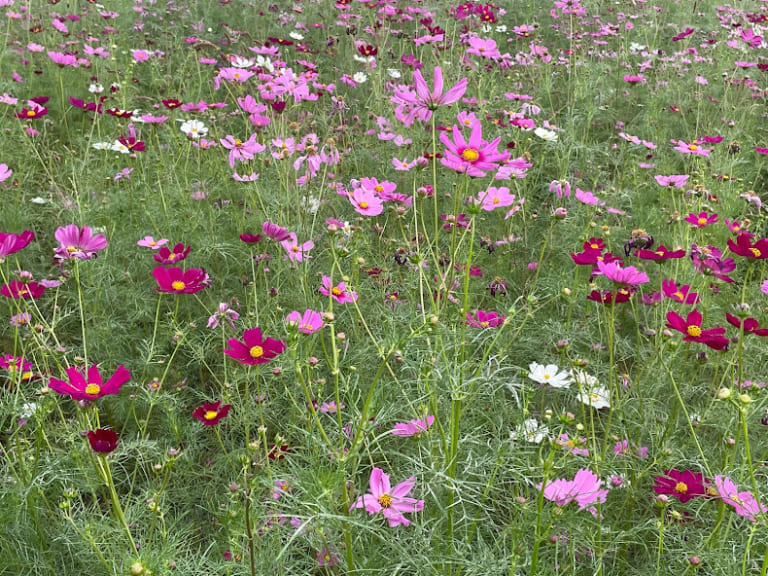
[[384, 287]]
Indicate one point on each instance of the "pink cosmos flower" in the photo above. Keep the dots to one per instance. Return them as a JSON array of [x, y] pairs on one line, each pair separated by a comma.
[[366, 202], [77, 243], [572, 445], [150, 242], [744, 503], [682, 294], [673, 181], [473, 157], [493, 198], [24, 290], [613, 271], [5, 172], [692, 331], [223, 313], [702, 220], [330, 407], [391, 502], [413, 427], [177, 281], [307, 323], [11, 243], [338, 292], [421, 101], [254, 349], [166, 256], [485, 48], [692, 148], [81, 388], [584, 489], [296, 252], [277, 233], [485, 319], [242, 151]]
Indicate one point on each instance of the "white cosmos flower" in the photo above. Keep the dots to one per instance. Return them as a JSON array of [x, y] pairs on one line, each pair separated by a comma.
[[360, 77], [549, 375], [545, 134], [240, 62], [530, 430], [118, 146], [394, 73], [598, 397], [296, 35], [265, 63], [95, 88], [102, 145], [194, 129]]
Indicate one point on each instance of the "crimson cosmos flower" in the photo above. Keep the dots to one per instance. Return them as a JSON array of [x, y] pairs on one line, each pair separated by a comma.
[[102, 440], [167, 256], [80, 388], [661, 253], [691, 328], [743, 247], [751, 325], [210, 414], [254, 349], [684, 485], [607, 297], [178, 281]]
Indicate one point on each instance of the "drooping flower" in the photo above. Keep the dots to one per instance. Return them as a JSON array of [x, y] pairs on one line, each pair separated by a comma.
[[91, 388], [472, 157], [277, 233], [102, 440], [78, 243], [210, 414], [549, 375], [11, 243], [413, 427], [224, 312], [684, 485], [692, 331], [391, 502], [744, 503], [751, 325], [177, 281], [254, 349]]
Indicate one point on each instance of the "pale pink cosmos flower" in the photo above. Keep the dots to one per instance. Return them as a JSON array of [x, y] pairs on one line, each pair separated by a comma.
[[223, 313], [764, 287], [296, 252], [5, 172], [421, 101], [744, 503], [485, 48], [330, 407], [150, 242], [472, 157], [673, 181], [584, 489], [413, 427], [242, 151], [494, 197], [366, 202], [307, 323], [391, 502], [78, 243], [692, 148]]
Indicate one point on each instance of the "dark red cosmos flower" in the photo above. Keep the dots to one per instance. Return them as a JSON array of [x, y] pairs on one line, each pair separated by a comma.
[[684, 485], [254, 349], [11, 243], [166, 256], [32, 113], [210, 414], [278, 452], [102, 440], [743, 247], [178, 281], [608, 297], [132, 143], [691, 328], [661, 253], [18, 289], [751, 325], [172, 103], [687, 32], [119, 113], [367, 50], [250, 238]]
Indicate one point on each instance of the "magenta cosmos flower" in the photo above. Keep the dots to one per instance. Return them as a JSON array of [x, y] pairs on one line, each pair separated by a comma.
[[473, 157], [78, 243], [391, 502], [744, 247], [210, 414], [168, 256], [338, 292], [178, 281], [691, 329], [25, 290], [254, 349], [11, 243], [413, 427], [702, 220], [684, 485], [421, 101], [483, 319], [81, 388]]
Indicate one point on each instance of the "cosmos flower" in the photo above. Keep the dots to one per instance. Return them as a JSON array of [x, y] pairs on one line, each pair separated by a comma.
[[549, 375], [210, 414], [254, 349], [102, 440], [75, 242], [472, 157], [421, 101], [91, 388], [177, 281], [307, 323], [692, 331], [25, 290], [338, 292], [391, 502], [744, 247], [628, 276], [683, 485], [11, 243], [484, 319], [413, 427], [744, 503], [168, 256], [584, 489]]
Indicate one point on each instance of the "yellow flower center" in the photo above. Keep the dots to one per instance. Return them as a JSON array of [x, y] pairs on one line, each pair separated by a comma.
[[694, 331], [30, 113], [571, 443], [172, 256], [238, 143], [495, 201], [72, 249], [756, 252], [470, 155], [659, 253], [152, 243], [547, 376], [256, 352], [178, 285], [681, 487], [379, 188], [92, 389], [678, 295], [363, 205], [594, 246], [484, 324], [702, 221], [385, 500], [294, 248], [336, 292], [693, 147], [210, 414]]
